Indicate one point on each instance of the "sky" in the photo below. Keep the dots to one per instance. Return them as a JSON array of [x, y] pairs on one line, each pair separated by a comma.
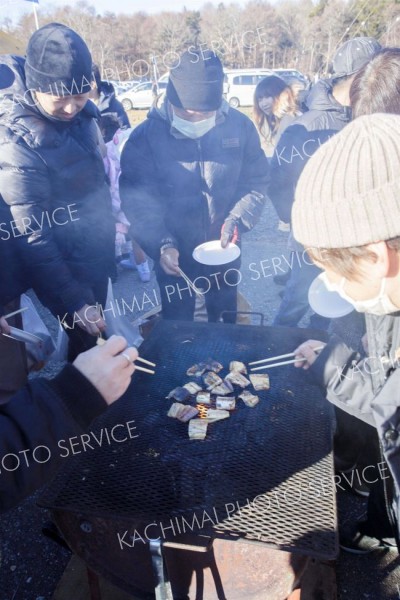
[[14, 8]]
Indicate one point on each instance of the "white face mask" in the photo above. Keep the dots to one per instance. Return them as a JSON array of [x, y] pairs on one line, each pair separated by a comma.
[[193, 129], [380, 305]]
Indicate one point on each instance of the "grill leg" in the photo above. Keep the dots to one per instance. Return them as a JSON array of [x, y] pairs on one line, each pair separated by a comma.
[[163, 589], [94, 586]]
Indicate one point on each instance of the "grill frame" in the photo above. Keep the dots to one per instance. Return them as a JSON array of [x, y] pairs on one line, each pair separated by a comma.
[[166, 345]]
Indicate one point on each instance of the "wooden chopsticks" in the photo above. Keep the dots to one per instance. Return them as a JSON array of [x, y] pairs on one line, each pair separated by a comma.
[[138, 368], [15, 312], [101, 341], [190, 283], [279, 364]]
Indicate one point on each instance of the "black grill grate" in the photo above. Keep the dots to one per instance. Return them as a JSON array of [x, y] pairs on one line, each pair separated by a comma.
[[264, 474]]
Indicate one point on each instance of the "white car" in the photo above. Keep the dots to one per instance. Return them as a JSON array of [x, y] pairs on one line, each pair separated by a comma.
[[240, 85], [141, 96]]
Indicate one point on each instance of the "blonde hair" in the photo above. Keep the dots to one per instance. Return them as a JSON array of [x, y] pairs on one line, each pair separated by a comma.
[[284, 104]]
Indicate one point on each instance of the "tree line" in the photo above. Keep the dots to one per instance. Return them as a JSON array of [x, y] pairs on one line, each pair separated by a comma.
[[299, 34]]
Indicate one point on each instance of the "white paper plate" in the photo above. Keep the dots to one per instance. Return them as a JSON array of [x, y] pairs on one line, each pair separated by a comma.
[[325, 303], [24, 336], [212, 253]]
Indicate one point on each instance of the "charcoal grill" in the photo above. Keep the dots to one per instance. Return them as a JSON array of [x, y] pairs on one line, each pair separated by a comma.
[[261, 478]]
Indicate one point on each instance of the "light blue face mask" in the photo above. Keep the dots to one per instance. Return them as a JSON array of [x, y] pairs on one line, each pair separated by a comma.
[[380, 305], [193, 129]]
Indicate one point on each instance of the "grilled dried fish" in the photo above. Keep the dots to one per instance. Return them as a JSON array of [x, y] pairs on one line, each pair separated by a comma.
[[214, 415], [249, 399], [197, 429], [192, 387], [203, 397], [237, 379], [260, 382], [182, 412], [213, 365], [224, 389], [197, 370], [237, 366], [180, 394], [225, 403], [211, 379]]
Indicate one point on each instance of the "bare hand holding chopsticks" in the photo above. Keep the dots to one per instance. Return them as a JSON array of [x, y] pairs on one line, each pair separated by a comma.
[[169, 261], [4, 326], [304, 356], [307, 353], [131, 360]]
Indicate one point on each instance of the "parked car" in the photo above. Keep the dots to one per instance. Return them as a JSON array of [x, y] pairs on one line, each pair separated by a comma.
[[141, 96], [240, 85], [292, 76]]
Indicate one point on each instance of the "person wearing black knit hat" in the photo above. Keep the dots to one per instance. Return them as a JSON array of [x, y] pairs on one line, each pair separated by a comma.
[[196, 83], [193, 172], [55, 206]]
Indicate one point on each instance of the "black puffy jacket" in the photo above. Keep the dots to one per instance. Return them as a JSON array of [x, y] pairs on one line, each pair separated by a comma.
[[325, 117], [175, 187], [41, 414], [56, 225]]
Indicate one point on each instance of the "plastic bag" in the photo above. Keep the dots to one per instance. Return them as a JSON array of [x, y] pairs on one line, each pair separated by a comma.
[[61, 351], [38, 353], [117, 322]]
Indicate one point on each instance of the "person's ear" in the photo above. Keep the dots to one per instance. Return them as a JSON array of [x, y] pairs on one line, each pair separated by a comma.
[[384, 263]]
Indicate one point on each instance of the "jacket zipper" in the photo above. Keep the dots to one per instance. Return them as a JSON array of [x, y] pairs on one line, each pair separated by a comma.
[[204, 198], [388, 493]]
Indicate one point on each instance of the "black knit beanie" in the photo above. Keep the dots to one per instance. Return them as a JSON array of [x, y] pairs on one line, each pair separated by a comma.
[[196, 83], [58, 62]]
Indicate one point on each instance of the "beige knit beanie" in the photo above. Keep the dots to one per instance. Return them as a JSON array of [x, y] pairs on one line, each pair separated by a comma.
[[349, 191]]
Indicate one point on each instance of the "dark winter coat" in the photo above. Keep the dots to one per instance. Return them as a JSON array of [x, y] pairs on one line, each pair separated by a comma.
[[173, 187], [56, 225], [108, 103], [41, 414], [369, 388], [325, 117]]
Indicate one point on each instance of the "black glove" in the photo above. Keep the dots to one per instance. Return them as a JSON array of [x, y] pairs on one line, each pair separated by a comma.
[[229, 231]]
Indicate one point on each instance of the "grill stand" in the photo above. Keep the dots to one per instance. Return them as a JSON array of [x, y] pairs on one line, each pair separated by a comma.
[[94, 584], [162, 586], [129, 503]]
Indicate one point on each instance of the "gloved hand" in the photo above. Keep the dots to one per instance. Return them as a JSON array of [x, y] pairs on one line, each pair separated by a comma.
[[229, 232]]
